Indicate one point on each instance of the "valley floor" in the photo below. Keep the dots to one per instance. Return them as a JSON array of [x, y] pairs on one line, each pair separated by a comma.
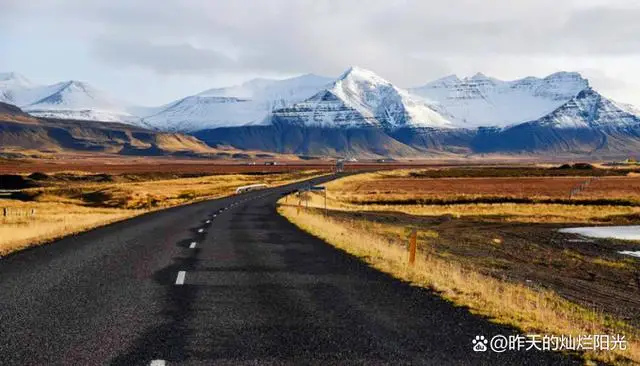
[[53, 205], [508, 261]]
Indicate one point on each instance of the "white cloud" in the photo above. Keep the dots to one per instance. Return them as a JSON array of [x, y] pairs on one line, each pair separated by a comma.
[[407, 41]]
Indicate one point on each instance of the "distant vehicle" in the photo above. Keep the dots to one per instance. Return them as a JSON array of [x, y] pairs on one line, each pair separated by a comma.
[[271, 163], [252, 187]]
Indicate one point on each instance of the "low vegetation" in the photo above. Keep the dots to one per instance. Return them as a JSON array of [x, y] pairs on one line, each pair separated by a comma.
[[67, 203], [32, 223], [489, 240], [536, 199], [532, 310]]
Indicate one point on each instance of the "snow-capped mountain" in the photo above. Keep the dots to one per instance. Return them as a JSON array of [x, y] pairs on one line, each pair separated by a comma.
[[248, 103], [589, 109], [362, 114], [78, 100], [360, 98], [66, 100], [482, 101]]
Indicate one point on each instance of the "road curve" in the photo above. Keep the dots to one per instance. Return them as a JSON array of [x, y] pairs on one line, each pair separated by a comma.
[[226, 281]]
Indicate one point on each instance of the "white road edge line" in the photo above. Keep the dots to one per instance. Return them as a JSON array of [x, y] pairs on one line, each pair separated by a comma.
[[157, 363], [180, 279], [193, 245]]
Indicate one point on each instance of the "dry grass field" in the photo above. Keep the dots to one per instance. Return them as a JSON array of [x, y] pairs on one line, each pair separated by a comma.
[[530, 187], [491, 242], [67, 203], [406, 184], [52, 220], [537, 310], [608, 199], [141, 191]]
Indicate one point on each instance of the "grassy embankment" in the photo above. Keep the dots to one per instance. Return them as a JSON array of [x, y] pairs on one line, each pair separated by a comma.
[[71, 203], [481, 282]]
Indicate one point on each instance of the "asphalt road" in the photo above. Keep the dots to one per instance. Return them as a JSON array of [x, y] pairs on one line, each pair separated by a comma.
[[253, 289]]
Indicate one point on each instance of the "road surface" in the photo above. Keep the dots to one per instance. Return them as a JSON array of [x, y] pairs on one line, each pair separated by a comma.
[[226, 281]]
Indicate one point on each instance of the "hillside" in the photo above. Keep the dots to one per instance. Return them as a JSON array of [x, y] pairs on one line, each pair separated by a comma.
[[20, 132]]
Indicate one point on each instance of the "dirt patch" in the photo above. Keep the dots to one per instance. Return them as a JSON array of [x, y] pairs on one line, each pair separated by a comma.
[[588, 272]]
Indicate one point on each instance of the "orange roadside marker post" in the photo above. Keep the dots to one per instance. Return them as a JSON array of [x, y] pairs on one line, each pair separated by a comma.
[[413, 243]]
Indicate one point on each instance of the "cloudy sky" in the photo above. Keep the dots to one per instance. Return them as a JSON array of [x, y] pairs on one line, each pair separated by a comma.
[[151, 51]]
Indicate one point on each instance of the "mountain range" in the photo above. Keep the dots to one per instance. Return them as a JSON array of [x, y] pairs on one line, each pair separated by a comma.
[[360, 113]]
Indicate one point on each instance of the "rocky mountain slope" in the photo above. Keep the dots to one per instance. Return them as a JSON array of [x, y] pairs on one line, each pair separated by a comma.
[[20, 131], [65, 100], [482, 101], [360, 98]]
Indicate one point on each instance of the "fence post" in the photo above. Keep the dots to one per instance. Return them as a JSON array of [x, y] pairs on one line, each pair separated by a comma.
[[412, 247], [5, 212], [325, 202]]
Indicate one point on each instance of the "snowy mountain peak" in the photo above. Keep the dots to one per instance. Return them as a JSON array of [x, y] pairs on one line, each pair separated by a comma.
[[566, 76], [481, 100], [248, 103], [78, 85], [356, 74], [74, 94], [479, 77], [589, 109], [357, 98], [361, 98]]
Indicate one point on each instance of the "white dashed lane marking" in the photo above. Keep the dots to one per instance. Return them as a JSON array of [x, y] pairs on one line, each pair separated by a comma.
[[157, 363], [201, 230], [181, 276], [193, 245]]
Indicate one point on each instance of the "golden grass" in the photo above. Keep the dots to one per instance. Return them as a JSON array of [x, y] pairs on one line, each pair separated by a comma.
[[509, 212], [531, 310], [159, 193], [51, 221], [74, 208]]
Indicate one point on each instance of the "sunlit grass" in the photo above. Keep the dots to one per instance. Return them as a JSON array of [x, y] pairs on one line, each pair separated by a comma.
[[77, 207], [533, 311]]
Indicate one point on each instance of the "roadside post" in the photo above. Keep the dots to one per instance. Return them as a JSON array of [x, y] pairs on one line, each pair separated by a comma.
[[413, 243], [324, 190]]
